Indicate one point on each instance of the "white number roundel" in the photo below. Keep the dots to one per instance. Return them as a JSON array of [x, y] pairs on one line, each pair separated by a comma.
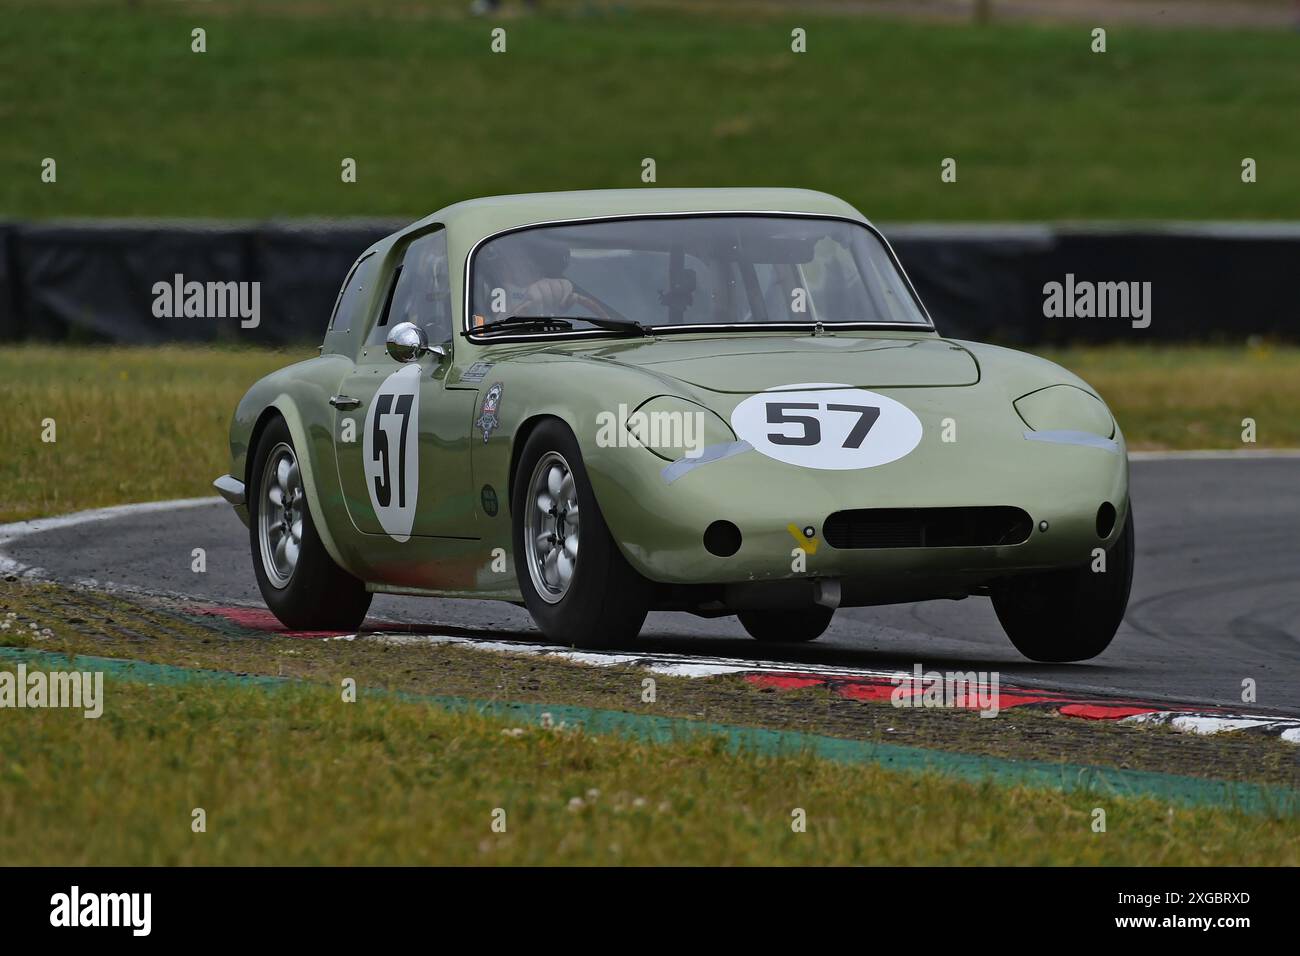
[[833, 427], [391, 451]]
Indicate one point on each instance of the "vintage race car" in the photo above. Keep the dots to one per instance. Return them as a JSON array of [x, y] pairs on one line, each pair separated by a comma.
[[721, 401]]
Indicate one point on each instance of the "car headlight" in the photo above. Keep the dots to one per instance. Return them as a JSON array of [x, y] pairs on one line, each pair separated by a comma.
[[674, 428], [1065, 408]]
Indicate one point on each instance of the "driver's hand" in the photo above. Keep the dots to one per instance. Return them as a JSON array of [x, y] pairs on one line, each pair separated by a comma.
[[549, 296]]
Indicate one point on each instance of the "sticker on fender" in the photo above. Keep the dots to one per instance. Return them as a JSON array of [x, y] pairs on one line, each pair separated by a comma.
[[391, 451], [832, 427]]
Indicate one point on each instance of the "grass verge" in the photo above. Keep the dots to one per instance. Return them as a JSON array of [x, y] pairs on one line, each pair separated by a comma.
[[76, 621], [130, 424], [303, 778], [112, 404], [300, 776]]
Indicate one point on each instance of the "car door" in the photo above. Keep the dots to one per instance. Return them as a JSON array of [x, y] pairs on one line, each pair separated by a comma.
[[401, 437]]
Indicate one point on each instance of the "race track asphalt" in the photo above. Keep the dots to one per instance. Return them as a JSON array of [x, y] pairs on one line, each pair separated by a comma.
[[1216, 593]]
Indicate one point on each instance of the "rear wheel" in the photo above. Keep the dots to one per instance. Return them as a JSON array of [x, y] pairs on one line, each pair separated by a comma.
[[577, 585], [1070, 615], [787, 626], [299, 580]]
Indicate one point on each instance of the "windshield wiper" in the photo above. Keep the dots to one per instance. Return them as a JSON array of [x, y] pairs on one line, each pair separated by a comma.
[[612, 324], [547, 323], [560, 323]]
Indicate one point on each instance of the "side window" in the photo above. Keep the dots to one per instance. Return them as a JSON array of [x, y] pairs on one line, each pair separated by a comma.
[[353, 295], [420, 291]]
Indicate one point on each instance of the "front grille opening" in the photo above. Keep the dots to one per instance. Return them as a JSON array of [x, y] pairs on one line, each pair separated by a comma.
[[927, 527]]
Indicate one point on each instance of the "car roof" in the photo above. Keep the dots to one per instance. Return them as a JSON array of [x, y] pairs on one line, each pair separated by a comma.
[[474, 219]]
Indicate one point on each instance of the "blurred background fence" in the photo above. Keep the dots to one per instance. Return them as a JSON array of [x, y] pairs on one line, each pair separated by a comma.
[[94, 280]]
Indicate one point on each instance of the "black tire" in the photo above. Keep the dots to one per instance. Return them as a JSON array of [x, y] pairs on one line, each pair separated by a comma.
[[1071, 615], [317, 595], [787, 626], [605, 600]]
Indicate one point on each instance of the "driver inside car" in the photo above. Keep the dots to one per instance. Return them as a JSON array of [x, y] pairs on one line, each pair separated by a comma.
[[529, 280]]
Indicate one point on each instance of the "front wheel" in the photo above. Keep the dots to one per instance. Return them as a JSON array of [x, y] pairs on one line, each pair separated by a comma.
[[299, 580], [1071, 615], [577, 585]]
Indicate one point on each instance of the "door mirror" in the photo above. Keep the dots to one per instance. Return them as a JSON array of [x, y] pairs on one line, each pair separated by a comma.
[[406, 342]]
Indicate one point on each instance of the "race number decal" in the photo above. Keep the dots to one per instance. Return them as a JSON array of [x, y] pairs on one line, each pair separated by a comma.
[[833, 427], [391, 451]]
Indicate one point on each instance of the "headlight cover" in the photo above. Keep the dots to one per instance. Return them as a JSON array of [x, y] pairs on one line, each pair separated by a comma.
[[674, 428], [1065, 408]]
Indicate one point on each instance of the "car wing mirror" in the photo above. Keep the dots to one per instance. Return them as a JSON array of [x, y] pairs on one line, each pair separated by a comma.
[[407, 342]]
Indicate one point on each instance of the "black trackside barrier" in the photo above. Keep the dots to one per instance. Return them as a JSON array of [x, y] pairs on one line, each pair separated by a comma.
[[1212, 282], [10, 328], [97, 280]]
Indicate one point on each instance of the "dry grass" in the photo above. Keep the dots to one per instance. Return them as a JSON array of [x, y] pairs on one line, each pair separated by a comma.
[[131, 424], [1196, 397]]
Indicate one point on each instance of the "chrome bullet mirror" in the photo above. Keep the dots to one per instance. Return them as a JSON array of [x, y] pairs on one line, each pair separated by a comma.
[[407, 342]]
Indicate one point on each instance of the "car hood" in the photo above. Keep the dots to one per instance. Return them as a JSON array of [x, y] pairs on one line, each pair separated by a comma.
[[736, 363]]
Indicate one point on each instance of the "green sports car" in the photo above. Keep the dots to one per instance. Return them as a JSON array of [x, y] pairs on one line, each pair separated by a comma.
[[721, 401]]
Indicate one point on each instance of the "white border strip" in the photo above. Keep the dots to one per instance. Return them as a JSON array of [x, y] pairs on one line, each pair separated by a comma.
[[1210, 454], [677, 665], [1288, 728], [674, 664], [17, 530]]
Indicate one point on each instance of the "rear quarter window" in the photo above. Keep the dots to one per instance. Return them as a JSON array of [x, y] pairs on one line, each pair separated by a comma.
[[419, 291], [354, 296]]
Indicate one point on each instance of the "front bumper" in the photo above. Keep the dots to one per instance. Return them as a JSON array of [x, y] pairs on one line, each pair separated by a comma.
[[1060, 484]]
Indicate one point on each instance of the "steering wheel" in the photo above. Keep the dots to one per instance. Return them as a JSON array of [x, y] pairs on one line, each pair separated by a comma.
[[542, 290], [591, 303]]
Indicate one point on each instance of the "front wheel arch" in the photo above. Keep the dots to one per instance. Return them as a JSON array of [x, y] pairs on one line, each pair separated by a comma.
[[606, 600], [522, 433], [284, 409]]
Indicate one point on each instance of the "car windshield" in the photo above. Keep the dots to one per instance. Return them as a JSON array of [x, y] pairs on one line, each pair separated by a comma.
[[687, 271]]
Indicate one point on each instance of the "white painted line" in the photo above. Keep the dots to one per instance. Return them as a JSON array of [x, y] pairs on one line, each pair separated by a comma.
[[14, 531], [670, 664], [1192, 723], [682, 666], [676, 664], [1210, 454]]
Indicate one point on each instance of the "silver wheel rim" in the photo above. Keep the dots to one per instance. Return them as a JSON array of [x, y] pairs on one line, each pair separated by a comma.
[[279, 519], [551, 527]]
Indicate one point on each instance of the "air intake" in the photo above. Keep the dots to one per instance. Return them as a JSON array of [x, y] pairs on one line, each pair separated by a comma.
[[926, 527]]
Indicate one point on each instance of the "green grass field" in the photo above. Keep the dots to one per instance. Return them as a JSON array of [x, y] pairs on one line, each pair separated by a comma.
[[300, 777], [142, 424], [258, 125]]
